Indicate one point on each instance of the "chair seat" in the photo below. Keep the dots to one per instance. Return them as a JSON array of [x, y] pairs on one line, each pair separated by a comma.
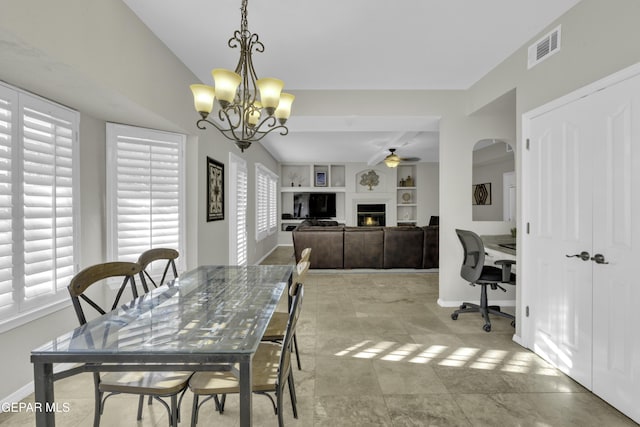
[[148, 383], [492, 274], [276, 327], [265, 374]]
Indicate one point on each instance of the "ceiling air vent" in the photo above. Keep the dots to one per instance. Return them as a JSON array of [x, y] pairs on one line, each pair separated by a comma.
[[544, 48]]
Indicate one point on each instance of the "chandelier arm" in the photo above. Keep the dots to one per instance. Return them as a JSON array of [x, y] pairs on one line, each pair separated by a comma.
[[261, 135], [270, 123], [227, 133]]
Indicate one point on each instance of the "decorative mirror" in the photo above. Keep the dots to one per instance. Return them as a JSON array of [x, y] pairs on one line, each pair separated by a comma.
[[493, 186]]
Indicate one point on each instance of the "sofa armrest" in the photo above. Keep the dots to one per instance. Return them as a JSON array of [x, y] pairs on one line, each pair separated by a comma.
[[431, 247]]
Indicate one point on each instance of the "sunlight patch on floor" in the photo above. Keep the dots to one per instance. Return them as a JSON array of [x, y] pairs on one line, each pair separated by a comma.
[[493, 359]]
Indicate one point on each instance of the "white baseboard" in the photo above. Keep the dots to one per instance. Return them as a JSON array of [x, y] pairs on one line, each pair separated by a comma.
[[518, 340], [27, 389], [264, 257]]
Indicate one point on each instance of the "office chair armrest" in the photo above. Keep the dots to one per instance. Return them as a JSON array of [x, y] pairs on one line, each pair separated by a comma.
[[506, 269]]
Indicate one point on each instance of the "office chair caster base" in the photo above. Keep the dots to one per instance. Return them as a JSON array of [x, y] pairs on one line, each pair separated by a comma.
[[487, 327], [513, 323], [454, 316]]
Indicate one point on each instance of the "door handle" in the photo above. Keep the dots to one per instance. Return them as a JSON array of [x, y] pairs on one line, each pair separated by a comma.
[[599, 259], [584, 255]]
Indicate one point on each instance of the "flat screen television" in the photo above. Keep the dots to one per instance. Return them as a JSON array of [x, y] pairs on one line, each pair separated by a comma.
[[314, 205]]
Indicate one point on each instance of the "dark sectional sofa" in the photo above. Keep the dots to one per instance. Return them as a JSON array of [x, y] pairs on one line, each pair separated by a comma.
[[338, 246]]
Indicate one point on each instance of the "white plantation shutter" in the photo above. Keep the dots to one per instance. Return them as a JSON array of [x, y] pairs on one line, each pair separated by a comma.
[[273, 205], [38, 214], [145, 176], [8, 136], [266, 202], [238, 248], [47, 199]]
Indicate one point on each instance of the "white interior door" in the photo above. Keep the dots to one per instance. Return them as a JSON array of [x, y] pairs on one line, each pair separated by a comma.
[[616, 236], [560, 223], [582, 178]]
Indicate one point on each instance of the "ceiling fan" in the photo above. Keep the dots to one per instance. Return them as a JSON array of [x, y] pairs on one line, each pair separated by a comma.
[[393, 160]]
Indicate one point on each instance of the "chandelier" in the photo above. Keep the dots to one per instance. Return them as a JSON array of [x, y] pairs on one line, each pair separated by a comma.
[[241, 116]]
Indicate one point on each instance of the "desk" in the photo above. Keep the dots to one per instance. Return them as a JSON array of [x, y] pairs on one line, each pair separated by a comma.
[[494, 249], [210, 318]]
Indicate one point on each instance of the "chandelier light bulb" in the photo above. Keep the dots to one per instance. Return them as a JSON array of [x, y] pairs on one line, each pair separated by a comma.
[[254, 114], [284, 107], [270, 89], [226, 84], [203, 96]]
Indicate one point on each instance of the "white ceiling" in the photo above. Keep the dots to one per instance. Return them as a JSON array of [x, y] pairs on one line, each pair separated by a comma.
[[354, 44]]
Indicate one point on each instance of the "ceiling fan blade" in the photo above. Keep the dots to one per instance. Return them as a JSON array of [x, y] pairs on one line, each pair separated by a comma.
[[410, 159], [377, 158]]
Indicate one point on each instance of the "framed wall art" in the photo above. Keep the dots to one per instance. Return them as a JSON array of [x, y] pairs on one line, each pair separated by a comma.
[[215, 190], [321, 179], [481, 194]]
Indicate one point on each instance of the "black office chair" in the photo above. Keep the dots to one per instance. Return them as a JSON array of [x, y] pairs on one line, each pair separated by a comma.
[[476, 273]]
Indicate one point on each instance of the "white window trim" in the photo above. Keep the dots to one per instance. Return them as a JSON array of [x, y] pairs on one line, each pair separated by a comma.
[[112, 132], [237, 164], [271, 213], [46, 304]]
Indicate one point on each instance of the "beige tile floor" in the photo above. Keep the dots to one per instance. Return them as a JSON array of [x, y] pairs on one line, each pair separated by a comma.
[[378, 351]]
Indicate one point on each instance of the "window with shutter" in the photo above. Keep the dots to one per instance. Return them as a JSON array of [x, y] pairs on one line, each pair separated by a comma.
[[266, 202], [145, 192], [238, 211], [38, 211], [273, 205]]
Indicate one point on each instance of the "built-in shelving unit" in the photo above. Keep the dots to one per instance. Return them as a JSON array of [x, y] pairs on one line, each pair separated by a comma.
[[312, 177], [407, 203], [319, 178]]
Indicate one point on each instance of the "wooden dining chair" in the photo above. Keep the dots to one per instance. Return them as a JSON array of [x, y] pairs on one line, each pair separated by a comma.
[[156, 384], [305, 254], [278, 324], [146, 260], [271, 368]]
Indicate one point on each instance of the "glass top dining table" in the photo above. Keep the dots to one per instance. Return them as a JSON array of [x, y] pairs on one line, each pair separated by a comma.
[[207, 319]]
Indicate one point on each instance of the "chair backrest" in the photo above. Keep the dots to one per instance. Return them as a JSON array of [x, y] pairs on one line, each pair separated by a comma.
[[285, 354], [94, 274], [157, 254], [305, 254], [473, 259], [301, 271]]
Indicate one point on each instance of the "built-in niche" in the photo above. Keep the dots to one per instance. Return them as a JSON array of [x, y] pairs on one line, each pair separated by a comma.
[[493, 186]]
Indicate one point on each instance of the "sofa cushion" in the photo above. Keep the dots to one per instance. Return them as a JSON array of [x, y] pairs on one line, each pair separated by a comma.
[[403, 247], [326, 243], [363, 247]]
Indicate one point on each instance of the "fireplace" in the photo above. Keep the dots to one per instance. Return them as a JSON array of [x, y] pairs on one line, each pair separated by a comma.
[[371, 215]]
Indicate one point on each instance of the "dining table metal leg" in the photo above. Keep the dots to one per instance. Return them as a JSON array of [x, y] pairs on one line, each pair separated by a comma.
[[245, 391], [43, 387]]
